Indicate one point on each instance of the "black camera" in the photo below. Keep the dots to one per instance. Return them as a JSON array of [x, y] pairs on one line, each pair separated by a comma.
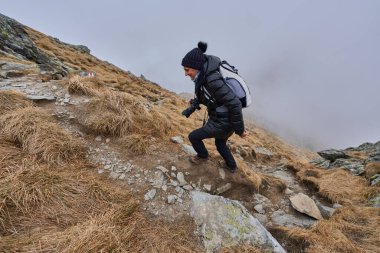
[[194, 105]]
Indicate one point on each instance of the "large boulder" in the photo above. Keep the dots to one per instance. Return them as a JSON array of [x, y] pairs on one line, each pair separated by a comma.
[[332, 154], [225, 223], [14, 40]]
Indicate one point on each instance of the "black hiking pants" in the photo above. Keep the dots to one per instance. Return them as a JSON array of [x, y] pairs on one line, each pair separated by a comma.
[[196, 138]]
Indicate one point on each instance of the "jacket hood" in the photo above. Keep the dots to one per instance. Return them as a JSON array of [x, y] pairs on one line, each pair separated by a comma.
[[211, 64]]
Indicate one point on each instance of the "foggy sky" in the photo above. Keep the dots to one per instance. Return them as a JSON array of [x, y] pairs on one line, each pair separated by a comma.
[[313, 66]]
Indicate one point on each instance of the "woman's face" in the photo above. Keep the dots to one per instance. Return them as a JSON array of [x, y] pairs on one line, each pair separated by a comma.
[[190, 72]]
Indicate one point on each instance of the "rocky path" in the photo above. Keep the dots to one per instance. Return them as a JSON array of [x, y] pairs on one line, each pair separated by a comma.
[[164, 180]]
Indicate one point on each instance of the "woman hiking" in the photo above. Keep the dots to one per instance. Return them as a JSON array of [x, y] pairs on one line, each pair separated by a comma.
[[223, 106]]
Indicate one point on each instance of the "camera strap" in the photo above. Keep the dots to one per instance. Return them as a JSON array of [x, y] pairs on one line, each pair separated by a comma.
[[205, 118]]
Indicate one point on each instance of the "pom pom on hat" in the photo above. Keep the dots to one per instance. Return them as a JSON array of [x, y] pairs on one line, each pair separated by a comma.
[[196, 57]]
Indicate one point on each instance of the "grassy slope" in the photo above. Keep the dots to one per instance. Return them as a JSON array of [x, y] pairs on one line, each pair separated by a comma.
[[53, 205]]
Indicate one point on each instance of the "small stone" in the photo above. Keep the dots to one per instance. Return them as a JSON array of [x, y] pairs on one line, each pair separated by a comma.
[[181, 178], [172, 199], [207, 187], [137, 175], [173, 183], [222, 173], [173, 175], [54, 87], [114, 175], [108, 167], [100, 171], [188, 187], [98, 138], [187, 173], [259, 208], [174, 168], [122, 176], [306, 205], [177, 139], [223, 189], [108, 140], [288, 191], [163, 169], [336, 206], [164, 188], [150, 194]]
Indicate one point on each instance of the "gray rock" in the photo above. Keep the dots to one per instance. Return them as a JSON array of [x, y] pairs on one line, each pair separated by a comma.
[[326, 211], [150, 194], [354, 166], [40, 98], [222, 173], [181, 179], [332, 154], [114, 175], [163, 169], [375, 180], [188, 149], [281, 218], [172, 199], [158, 180], [188, 187], [207, 187], [223, 189], [375, 202], [177, 139], [321, 162], [336, 206], [98, 138], [259, 208], [225, 223], [15, 40]]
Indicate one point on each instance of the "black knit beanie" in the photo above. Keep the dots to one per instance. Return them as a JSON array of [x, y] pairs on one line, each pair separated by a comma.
[[196, 57]]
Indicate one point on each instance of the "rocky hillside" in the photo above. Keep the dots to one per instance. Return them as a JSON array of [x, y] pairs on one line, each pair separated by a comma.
[[94, 159]]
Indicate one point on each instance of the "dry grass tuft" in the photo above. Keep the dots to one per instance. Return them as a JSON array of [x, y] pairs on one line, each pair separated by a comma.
[[120, 114], [36, 133], [88, 86], [261, 181], [242, 249], [351, 229], [136, 143], [120, 229], [11, 157], [37, 196], [11, 100], [337, 185]]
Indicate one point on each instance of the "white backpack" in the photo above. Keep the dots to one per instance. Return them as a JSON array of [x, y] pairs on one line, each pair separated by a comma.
[[235, 82]]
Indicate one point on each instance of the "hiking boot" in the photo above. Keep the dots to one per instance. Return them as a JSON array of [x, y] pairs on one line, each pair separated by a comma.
[[223, 165], [197, 160]]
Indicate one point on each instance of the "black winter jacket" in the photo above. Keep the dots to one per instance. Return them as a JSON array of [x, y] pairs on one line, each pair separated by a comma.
[[211, 79]]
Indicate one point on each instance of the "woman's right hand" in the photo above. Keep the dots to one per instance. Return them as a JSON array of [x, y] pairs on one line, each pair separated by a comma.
[[244, 134]]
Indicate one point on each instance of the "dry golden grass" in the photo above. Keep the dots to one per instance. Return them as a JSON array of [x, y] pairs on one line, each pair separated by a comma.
[[36, 133], [11, 100], [136, 143], [337, 185], [261, 181], [242, 249], [351, 229], [46, 210], [88, 86], [371, 169], [120, 114]]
